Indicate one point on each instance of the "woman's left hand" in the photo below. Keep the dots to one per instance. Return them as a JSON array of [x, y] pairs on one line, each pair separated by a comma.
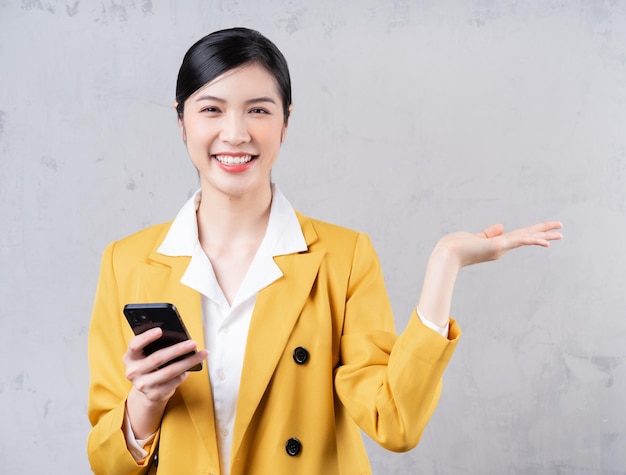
[[491, 244], [461, 249]]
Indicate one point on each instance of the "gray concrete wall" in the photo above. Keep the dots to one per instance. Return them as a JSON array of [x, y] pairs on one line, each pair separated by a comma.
[[412, 119]]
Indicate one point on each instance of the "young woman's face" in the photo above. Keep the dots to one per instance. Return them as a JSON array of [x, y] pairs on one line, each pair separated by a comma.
[[233, 127]]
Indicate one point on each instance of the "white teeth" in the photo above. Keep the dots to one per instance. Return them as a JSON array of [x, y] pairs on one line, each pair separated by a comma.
[[230, 160]]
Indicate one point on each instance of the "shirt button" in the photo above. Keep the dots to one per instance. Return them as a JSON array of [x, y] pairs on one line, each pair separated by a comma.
[[224, 433], [300, 355], [224, 330], [293, 447], [220, 375]]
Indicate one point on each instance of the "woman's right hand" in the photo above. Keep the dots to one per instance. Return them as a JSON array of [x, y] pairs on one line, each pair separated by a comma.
[[154, 386]]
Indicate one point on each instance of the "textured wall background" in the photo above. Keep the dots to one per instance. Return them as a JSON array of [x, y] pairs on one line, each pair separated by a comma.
[[412, 119]]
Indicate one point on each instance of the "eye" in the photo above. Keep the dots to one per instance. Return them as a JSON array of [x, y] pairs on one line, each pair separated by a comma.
[[210, 109], [259, 110]]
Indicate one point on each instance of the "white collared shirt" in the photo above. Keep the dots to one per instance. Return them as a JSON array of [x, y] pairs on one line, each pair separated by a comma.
[[226, 326]]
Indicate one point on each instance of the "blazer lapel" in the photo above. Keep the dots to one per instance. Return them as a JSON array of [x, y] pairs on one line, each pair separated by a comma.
[[162, 276], [275, 313]]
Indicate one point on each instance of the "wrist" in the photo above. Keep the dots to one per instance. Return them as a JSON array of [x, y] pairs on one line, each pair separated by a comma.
[[441, 273], [445, 257], [140, 401], [144, 415]]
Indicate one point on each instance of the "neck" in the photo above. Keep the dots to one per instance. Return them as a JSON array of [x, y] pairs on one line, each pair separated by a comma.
[[226, 220]]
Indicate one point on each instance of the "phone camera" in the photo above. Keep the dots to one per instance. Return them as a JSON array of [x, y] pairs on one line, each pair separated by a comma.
[[138, 318]]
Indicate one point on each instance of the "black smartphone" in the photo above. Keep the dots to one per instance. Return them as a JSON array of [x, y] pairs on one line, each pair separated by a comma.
[[145, 316]]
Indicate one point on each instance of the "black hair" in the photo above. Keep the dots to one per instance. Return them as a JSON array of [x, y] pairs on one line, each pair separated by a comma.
[[228, 49]]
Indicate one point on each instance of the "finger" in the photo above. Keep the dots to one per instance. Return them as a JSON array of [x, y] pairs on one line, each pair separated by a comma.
[[544, 226], [148, 371], [545, 230], [164, 355], [551, 225], [137, 344], [177, 368], [552, 236], [169, 377], [492, 231], [524, 238]]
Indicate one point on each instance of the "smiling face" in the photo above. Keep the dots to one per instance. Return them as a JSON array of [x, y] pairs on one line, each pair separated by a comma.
[[233, 127]]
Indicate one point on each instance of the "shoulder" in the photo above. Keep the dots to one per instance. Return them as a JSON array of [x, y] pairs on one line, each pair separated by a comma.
[[121, 259], [349, 256], [332, 237], [325, 229], [140, 244]]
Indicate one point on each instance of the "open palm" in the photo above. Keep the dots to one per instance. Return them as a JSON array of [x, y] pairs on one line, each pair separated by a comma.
[[493, 242]]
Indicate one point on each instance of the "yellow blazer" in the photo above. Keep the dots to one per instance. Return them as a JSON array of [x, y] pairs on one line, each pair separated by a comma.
[[332, 302]]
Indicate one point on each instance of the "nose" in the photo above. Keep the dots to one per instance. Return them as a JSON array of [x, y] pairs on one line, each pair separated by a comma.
[[234, 130]]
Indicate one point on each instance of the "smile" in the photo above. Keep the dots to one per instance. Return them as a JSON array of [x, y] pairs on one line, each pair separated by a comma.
[[234, 160]]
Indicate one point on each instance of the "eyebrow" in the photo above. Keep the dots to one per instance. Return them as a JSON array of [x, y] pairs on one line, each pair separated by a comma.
[[256, 100]]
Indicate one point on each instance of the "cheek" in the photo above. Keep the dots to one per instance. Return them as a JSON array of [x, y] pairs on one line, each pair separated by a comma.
[[198, 133], [271, 134]]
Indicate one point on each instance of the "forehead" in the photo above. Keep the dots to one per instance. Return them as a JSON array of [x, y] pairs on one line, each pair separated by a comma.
[[248, 80]]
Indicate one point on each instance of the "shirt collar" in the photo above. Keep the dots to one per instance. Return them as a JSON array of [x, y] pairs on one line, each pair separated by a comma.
[[283, 235]]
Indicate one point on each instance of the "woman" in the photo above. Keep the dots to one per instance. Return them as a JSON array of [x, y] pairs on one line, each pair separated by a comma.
[[302, 351]]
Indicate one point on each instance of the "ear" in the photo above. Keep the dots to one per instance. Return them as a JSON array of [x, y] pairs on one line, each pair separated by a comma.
[[286, 125], [181, 124]]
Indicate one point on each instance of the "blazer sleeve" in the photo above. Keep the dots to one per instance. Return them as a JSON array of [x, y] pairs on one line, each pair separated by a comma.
[[108, 388], [389, 384]]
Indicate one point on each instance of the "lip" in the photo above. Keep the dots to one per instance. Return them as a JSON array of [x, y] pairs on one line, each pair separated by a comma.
[[233, 154], [234, 167]]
